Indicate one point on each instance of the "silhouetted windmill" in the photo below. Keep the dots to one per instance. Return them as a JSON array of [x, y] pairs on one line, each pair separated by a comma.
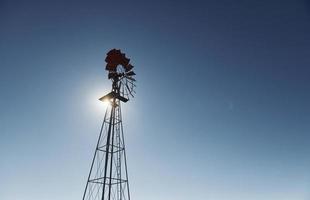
[[108, 176]]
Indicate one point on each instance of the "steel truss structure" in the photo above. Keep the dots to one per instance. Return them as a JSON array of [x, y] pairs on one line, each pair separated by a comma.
[[108, 177]]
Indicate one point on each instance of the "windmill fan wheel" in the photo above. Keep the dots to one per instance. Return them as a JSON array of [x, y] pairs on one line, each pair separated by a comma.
[[121, 72]]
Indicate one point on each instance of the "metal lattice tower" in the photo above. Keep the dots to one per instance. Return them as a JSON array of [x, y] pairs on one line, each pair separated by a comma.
[[108, 176]]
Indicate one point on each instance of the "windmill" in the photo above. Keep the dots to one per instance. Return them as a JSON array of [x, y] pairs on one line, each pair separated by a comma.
[[108, 176]]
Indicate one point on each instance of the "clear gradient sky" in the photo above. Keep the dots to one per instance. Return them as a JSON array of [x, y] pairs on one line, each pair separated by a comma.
[[222, 106]]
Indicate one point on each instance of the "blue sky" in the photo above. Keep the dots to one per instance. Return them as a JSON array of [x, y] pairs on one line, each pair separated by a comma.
[[222, 106]]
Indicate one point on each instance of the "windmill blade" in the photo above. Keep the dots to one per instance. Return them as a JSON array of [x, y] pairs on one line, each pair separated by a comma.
[[133, 91], [130, 78], [112, 75], [131, 73], [129, 90], [128, 67], [131, 82]]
